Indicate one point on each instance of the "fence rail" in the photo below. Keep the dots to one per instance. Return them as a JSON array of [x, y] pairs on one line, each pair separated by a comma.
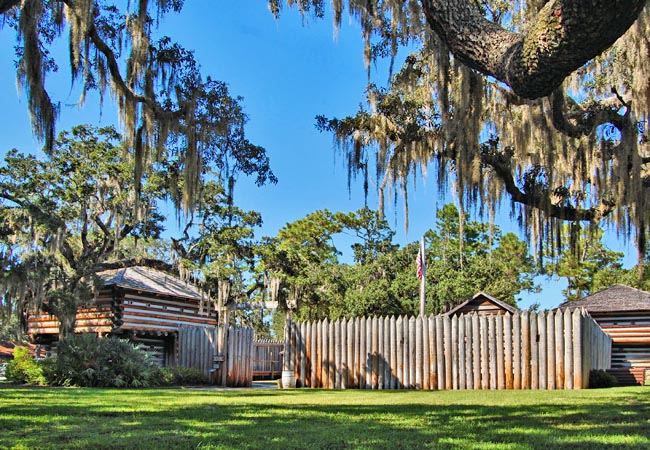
[[547, 350]]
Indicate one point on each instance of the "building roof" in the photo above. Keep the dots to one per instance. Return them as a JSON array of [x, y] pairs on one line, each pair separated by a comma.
[[142, 278], [615, 298], [7, 348], [481, 297]]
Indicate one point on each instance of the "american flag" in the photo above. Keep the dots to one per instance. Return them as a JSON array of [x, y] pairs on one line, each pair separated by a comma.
[[418, 263]]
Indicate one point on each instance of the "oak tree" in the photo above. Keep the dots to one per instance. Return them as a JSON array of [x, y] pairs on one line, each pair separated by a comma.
[[64, 218], [540, 103], [167, 107]]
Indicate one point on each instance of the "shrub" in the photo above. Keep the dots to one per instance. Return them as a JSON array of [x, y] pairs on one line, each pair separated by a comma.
[[86, 360], [181, 376], [48, 365], [601, 379], [24, 369]]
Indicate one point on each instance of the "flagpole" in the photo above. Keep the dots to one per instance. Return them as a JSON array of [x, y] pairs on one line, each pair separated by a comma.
[[423, 279]]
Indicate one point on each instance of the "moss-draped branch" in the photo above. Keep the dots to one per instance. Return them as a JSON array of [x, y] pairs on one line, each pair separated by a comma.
[[560, 38], [157, 85]]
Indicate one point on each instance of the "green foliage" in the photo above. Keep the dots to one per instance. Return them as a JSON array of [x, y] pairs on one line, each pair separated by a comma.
[[86, 360], [303, 260], [637, 276], [65, 215], [384, 285], [79, 208], [10, 326], [601, 379], [466, 257], [219, 245], [24, 369], [437, 111], [49, 369], [168, 109], [181, 376], [278, 321], [587, 264], [372, 230], [462, 259]]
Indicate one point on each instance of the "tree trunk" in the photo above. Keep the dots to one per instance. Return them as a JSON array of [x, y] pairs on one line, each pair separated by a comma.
[[65, 309]]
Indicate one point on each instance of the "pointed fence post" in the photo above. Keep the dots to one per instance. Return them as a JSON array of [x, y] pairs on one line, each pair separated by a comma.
[[508, 341]]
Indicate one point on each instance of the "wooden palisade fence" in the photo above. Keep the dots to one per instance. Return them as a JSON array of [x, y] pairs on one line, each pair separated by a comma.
[[228, 364], [546, 350]]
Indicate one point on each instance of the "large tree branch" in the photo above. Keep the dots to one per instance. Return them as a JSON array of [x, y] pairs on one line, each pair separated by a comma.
[[500, 164], [84, 230], [53, 223], [114, 70], [108, 240], [575, 121], [563, 36], [133, 262], [118, 81]]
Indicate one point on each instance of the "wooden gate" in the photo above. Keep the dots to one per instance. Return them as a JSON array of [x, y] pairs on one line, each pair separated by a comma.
[[225, 356], [267, 358]]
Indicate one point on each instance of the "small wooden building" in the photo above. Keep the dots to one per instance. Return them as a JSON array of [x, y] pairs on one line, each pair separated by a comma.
[[623, 313], [482, 304], [145, 305]]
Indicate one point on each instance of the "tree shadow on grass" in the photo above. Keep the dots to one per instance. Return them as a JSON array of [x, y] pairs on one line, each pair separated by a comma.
[[317, 419]]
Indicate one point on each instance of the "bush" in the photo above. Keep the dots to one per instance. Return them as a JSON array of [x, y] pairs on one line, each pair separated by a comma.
[[24, 369], [89, 361], [601, 379], [181, 376], [49, 369]]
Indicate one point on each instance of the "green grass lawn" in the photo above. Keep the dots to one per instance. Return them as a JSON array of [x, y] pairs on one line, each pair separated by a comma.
[[41, 418]]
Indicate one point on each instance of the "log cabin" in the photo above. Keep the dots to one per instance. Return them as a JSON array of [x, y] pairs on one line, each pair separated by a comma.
[[142, 304], [623, 313], [482, 304]]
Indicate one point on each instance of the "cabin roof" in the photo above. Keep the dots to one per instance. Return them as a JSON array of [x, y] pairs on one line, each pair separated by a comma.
[[142, 278], [480, 297], [615, 298]]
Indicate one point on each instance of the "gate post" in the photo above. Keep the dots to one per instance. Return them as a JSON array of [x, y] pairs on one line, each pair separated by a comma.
[[224, 346]]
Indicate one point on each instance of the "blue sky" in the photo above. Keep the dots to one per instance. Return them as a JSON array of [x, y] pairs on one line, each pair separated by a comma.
[[288, 71]]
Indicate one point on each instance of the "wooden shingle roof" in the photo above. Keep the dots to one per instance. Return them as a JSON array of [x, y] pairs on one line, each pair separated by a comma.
[[141, 278], [614, 298]]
